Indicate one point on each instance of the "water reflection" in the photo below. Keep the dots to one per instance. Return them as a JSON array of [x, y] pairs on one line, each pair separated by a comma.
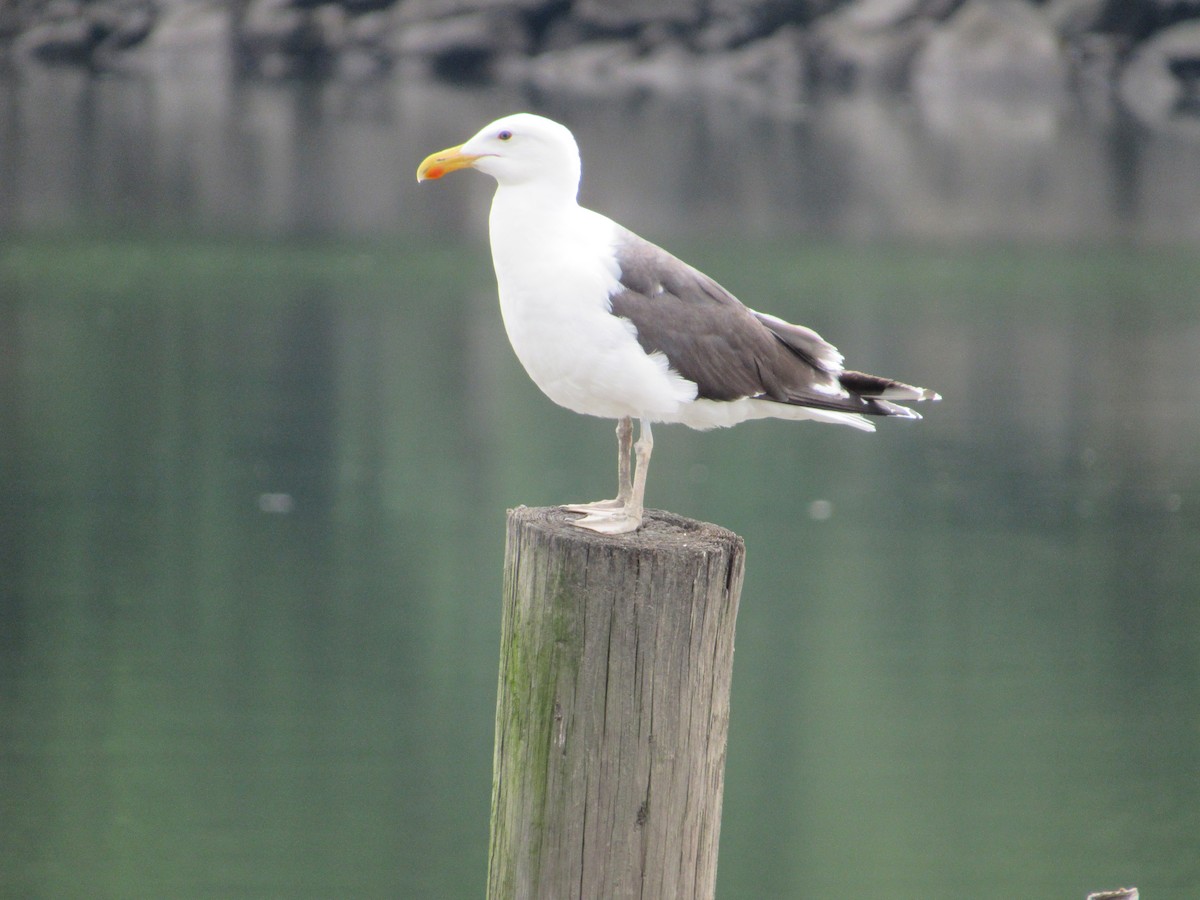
[[252, 493], [220, 156]]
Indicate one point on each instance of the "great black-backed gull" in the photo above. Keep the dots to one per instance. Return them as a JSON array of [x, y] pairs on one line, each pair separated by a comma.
[[608, 324]]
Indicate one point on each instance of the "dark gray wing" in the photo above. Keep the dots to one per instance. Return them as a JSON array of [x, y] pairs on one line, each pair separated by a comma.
[[729, 351]]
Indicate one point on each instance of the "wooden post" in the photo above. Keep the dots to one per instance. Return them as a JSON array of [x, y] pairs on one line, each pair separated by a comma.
[[613, 708]]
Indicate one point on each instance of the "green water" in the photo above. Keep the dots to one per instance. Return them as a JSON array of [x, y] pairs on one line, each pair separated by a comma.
[[251, 524]]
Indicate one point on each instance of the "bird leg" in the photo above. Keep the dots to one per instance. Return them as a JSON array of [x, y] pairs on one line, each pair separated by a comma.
[[624, 483], [624, 443], [627, 517]]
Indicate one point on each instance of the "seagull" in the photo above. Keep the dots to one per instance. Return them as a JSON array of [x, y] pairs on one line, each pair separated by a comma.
[[608, 324]]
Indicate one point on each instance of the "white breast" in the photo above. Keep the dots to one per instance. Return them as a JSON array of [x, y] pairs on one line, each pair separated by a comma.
[[556, 273]]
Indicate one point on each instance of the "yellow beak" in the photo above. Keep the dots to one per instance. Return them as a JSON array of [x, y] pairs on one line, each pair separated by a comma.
[[435, 165]]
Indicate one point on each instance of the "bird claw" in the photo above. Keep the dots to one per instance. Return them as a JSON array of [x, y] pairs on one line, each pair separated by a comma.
[[595, 506], [615, 520]]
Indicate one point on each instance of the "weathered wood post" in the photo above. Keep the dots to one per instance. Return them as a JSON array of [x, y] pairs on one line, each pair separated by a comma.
[[613, 708]]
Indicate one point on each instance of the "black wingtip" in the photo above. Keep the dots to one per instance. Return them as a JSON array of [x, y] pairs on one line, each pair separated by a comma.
[[873, 387]]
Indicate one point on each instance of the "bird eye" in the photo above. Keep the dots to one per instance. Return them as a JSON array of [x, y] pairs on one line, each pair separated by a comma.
[[505, 135]]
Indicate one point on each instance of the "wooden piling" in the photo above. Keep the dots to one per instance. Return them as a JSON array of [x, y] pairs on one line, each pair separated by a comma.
[[613, 708]]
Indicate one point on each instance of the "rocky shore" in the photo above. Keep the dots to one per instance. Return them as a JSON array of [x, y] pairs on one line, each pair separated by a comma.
[[1144, 55]]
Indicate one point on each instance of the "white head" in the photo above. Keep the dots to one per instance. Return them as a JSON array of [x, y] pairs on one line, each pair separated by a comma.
[[515, 150]]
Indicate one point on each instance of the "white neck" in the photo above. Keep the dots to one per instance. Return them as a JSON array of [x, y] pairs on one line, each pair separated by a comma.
[[534, 199], [528, 213]]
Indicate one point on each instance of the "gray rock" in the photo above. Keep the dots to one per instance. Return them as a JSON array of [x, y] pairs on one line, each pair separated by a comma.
[[271, 22], [591, 67], [189, 37], [950, 52], [85, 34], [1072, 18], [730, 24], [873, 15], [276, 39], [1161, 82], [873, 42], [463, 47], [630, 15], [66, 41], [998, 50], [994, 71], [775, 13], [726, 31], [769, 73], [411, 11], [772, 72]]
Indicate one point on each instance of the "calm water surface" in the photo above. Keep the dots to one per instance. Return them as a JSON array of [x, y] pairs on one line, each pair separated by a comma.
[[258, 433]]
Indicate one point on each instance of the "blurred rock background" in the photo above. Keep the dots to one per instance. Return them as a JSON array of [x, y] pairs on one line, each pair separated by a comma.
[[1140, 56]]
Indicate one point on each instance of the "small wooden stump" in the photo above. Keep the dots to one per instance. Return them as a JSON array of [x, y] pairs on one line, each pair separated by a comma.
[[613, 708]]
